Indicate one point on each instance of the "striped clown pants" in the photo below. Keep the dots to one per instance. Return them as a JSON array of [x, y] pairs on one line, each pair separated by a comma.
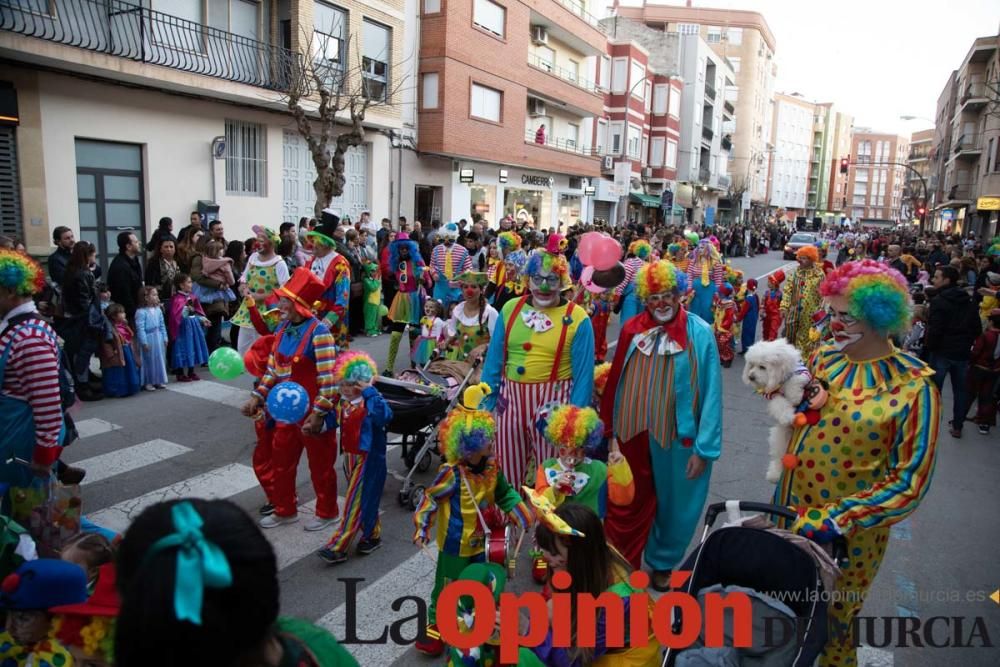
[[519, 446]]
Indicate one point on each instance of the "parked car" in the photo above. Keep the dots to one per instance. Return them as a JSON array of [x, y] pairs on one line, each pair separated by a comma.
[[799, 240]]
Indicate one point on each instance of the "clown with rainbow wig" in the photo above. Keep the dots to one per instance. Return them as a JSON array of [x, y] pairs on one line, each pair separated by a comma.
[[859, 482], [706, 272], [662, 405], [468, 480], [542, 351], [362, 414]]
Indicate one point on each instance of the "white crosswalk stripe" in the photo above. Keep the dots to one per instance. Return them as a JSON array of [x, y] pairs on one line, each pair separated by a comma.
[[88, 428], [128, 459], [217, 392]]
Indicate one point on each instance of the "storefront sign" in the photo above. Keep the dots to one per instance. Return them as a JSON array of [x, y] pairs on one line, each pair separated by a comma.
[[947, 214], [988, 204], [543, 181]]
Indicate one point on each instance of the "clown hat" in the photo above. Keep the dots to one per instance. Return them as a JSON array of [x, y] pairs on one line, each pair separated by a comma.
[[402, 236], [752, 284], [726, 289], [587, 280], [43, 584], [268, 233], [325, 229], [610, 278], [449, 231], [256, 358], [472, 278], [546, 513], [303, 289], [104, 601], [777, 277], [556, 244], [570, 426]]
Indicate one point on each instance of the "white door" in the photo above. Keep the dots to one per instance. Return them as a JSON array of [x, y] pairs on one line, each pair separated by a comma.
[[298, 175]]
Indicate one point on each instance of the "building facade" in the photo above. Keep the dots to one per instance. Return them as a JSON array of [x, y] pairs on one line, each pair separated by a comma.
[[789, 167], [182, 101], [876, 177], [916, 194], [744, 39], [841, 131], [508, 95]]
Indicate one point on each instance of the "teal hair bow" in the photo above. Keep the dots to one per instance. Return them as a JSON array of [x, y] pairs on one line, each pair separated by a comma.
[[200, 563]]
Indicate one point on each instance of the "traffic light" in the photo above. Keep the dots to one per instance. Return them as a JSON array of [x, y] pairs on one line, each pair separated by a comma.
[[844, 161], [921, 211]]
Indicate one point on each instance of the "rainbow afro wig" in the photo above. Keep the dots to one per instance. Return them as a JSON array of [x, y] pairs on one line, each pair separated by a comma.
[[876, 294], [541, 261], [354, 368], [659, 277], [508, 242], [515, 261], [570, 426], [640, 249], [809, 252], [467, 430], [674, 249], [20, 273], [601, 374]]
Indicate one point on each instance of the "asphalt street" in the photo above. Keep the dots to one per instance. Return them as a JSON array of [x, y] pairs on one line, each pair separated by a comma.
[[192, 440]]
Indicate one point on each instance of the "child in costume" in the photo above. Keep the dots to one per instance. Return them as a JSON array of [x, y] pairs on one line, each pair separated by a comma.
[[408, 304], [468, 482], [506, 243], [735, 279], [494, 577], [600, 303], [363, 416], [772, 305], [26, 596], [120, 377], [749, 314], [187, 331], [432, 332], [472, 319], [87, 629], [151, 331], [725, 318], [373, 299]]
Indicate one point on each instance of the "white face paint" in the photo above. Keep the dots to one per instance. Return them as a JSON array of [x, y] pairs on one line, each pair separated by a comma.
[[663, 306], [846, 330], [544, 290]]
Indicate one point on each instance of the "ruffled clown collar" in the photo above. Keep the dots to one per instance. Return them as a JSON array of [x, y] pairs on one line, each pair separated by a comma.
[[862, 380]]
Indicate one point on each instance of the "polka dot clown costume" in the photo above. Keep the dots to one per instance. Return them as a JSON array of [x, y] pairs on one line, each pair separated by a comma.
[[265, 272], [467, 484], [867, 462], [542, 351], [663, 405]]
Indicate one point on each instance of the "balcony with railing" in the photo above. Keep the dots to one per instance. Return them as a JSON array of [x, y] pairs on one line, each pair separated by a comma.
[[974, 96], [724, 181], [128, 30], [704, 175], [728, 107], [707, 133], [958, 193], [967, 146], [569, 76], [559, 144], [709, 92]]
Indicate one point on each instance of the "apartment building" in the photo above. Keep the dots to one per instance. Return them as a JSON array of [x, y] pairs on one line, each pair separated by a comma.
[[966, 152], [508, 95], [790, 161], [124, 117], [916, 194], [745, 41], [841, 128], [876, 177]]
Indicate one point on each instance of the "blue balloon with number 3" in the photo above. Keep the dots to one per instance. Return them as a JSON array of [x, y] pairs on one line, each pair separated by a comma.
[[288, 402]]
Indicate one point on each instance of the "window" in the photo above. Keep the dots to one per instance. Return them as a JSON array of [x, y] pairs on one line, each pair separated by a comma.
[[671, 160], [572, 134], [648, 96], [660, 99], [246, 158], [617, 141], [605, 73], [329, 40], [375, 40], [656, 152], [485, 103], [714, 34], [432, 6], [644, 151], [574, 70], [429, 90], [735, 62], [634, 141], [546, 58], [619, 74], [602, 136], [636, 74], [674, 103], [489, 16], [189, 10], [734, 36], [996, 158], [688, 28]]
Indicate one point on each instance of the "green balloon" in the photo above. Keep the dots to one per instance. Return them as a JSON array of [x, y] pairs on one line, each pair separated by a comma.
[[383, 310], [226, 364]]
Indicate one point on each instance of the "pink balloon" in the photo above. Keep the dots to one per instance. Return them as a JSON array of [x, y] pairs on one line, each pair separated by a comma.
[[587, 280], [586, 246], [606, 254]]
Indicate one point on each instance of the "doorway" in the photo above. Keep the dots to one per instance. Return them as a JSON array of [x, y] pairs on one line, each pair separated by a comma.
[[427, 203], [109, 195]]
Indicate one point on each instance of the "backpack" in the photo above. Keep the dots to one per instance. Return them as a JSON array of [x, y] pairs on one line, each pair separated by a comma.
[[67, 387]]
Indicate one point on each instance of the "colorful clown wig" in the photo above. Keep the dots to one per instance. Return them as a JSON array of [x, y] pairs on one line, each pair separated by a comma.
[[705, 250], [415, 257], [464, 433], [876, 294], [674, 249], [94, 635], [508, 242], [516, 261], [570, 426], [541, 261], [601, 374], [733, 275], [354, 368], [20, 273], [659, 277], [640, 249], [809, 252]]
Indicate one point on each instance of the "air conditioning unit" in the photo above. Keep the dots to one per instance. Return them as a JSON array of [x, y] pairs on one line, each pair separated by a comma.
[[608, 164], [647, 172], [536, 107], [539, 35]]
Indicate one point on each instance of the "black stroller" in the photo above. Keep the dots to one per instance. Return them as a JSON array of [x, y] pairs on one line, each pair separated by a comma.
[[771, 566]]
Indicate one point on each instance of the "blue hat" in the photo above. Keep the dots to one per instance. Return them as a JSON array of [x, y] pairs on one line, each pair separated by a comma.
[[44, 583]]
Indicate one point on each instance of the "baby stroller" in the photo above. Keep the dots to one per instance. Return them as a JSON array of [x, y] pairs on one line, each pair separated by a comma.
[[417, 407], [789, 611]]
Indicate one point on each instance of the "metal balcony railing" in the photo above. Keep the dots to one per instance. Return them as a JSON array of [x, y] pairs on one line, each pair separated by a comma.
[[974, 89], [564, 145], [128, 30], [564, 74], [724, 180], [728, 107], [709, 92], [704, 176], [576, 7], [967, 142], [707, 133], [958, 193]]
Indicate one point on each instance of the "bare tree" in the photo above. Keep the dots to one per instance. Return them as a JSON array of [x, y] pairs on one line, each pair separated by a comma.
[[329, 99], [738, 185]]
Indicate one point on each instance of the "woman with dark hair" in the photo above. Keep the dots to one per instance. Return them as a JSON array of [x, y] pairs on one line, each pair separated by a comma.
[[199, 587], [83, 325], [162, 267], [236, 251], [571, 539]]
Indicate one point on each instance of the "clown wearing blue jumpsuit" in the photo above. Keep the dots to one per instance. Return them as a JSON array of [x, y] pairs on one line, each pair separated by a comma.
[[665, 409]]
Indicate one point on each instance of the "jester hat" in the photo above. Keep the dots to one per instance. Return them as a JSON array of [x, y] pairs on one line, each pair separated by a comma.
[[570, 426], [659, 277], [545, 511], [876, 294]]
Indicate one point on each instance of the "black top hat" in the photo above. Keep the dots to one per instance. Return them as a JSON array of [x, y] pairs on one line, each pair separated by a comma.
[[328, 224]]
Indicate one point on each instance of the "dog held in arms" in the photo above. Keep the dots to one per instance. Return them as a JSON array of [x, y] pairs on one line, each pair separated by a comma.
[[775, 370]]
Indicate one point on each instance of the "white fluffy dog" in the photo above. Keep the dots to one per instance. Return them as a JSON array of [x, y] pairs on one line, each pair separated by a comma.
[[775, 369]]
